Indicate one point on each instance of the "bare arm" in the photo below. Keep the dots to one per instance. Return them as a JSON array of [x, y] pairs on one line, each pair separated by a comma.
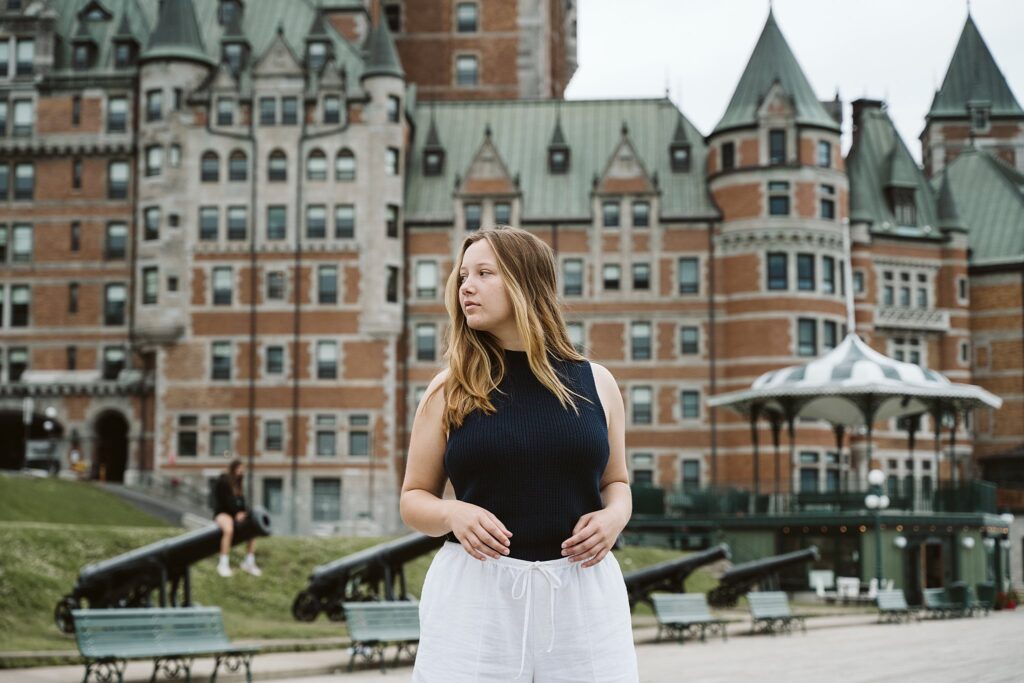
[[595, 533], [421, 504]]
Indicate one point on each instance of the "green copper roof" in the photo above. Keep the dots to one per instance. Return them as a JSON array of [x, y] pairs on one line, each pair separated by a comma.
[[521, 131], [259, 24], [949, 214], [990, 198], [771, 61], [176, 35], [877, 158], [973, 76], [381, 54]]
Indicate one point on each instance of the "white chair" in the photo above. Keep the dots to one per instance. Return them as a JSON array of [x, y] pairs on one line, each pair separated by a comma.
[[847, 587], [820, 580]]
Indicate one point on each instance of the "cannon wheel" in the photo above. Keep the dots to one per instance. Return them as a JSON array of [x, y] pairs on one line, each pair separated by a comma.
[[305, 607], [62, 614], [336, 611]]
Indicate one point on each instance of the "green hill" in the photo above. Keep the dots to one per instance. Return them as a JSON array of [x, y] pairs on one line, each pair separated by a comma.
[[57, 501], [40, 563]]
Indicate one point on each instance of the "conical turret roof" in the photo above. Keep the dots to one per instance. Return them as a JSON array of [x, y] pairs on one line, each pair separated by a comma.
[[177, 34], [381, 54]]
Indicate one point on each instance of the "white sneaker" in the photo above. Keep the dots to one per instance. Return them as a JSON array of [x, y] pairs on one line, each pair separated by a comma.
[[224, 570], [251, 568]]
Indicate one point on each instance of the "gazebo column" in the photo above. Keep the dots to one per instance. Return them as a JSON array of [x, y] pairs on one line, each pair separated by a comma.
[[869, 408], [755, 413], [839, 430], [913, 422], [955, 475], [776, 422], [936, 414]]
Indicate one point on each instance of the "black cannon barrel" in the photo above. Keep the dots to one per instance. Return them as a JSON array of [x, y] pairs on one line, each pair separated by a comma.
[[670, 575], [129, 579], [738, 579], [364, 575]]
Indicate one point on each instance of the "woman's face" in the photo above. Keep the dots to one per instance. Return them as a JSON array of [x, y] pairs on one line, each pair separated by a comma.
[[482, 294]]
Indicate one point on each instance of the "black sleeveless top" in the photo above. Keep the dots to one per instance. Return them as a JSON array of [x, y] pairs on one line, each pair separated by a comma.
[[533, 464]]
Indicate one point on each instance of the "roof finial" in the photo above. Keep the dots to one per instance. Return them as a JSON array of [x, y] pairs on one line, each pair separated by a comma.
[[968, 9], [487, 130], [625, 129]]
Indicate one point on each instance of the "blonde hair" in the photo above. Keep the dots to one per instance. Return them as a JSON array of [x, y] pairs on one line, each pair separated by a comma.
[[476, 361]]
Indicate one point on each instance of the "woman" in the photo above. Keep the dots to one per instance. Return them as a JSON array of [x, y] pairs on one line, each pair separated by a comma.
[[228, 510], [531, 435]]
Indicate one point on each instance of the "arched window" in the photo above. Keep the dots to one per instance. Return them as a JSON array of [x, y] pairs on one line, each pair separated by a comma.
[[316, 165], [238, 166], [277, 170], [209, 167], [345, 165]]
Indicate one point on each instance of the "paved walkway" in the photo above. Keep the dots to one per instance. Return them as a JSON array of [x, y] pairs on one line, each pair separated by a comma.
[[851, 649]]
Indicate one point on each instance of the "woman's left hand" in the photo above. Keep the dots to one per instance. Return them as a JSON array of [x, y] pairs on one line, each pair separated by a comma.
[[593, 537]]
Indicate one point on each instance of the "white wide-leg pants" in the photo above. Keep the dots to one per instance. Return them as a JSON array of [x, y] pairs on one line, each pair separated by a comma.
[[513, 620]]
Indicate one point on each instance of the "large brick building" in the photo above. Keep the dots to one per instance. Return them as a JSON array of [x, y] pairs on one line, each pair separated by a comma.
[[227, 227]]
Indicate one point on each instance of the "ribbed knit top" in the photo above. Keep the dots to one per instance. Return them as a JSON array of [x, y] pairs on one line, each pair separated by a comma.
[[533, 464]]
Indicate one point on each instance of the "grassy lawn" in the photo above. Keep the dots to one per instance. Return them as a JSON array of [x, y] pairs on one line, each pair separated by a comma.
[[44, 548]]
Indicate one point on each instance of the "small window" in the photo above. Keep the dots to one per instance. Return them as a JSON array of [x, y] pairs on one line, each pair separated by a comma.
[[828, 202], [689, 278], [679, 157], [824, 153], [316, 221], [690, 404], [21, 251], [640, 341], [327, 284], [24, 181], [24, 117], [472, 215], [610, 214], [76, 238], [828, 275], [778, 271], [238, 167], [154, 160], [326, 499], [391, 220], [26, 57], [641, 214], [807, 337], [345, 166], [277, 222], [344, 221], [641, 277], [316, 166], [466, 17], [805, 272], [277, 167], [76, 111], [611, 276], [209, 168], [117, 115], [124, 55], [426, 342], [114, 304], [576, 335], [275, 286], [572, 277], [640, 400], [188, 436], [394, 109], [232, 54], [116, 247], [391, 287], [209, 223], [689, 340], [502, 213], [221, 361], [326, 360], [223, 285], [426, 279], [332, 109], [268, 111], [433, 162], [76, 174], [558, 160], [828, 335], [273, 439], [858, 282], [467, 71], [151, 223], [289, 111], [391, 162], [776, 147], [113, 362], [238, 223], [275, 360], [316, 55], [778, 198], [728, 156], [150, 285], [154, 105]]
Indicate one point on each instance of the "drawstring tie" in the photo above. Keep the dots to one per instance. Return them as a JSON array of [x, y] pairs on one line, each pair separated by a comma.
[[523, 585]]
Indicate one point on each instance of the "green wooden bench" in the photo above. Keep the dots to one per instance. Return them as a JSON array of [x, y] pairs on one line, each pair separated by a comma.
[[685, 612], [892, 606], [984, 599], [372, 626], [938, 604], [769, 611], [171, 636]]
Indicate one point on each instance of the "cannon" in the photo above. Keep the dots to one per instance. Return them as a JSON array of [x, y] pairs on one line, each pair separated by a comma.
[[741, 578], [130, 579], [367, 575], [669, 576]]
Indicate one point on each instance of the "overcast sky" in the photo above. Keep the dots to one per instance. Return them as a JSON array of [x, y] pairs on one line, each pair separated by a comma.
[[895, 50]]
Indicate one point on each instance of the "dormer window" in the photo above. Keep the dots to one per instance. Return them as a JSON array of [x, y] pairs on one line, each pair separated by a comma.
[[316, 55], [679, 158], [979, 119], [904, 209], [234, 56], [558, 160], [433, 162], [124, 55], [81, 57], [227, 11], [92, 12]]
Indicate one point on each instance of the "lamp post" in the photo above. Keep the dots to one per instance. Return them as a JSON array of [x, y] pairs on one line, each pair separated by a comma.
[[876, 500]]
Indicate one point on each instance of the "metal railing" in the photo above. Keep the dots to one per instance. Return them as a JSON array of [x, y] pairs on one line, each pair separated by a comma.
[[970, 496]]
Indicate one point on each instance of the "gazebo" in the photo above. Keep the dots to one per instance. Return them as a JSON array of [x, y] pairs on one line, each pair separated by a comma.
[[854, 385]]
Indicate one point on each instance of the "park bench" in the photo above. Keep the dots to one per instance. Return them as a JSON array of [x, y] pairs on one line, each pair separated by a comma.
[[984, 599], [937, 603], [770, 610], [683, 612], [171, 636], [892, 606], [372, 626]]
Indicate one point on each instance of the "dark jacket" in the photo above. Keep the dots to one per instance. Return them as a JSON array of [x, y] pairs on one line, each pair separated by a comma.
[[224, 498]]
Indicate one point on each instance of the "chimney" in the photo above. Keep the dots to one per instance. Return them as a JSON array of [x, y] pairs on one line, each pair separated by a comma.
[[859, 107]]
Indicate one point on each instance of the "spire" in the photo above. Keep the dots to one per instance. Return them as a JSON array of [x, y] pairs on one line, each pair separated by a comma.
[[557, 136], [974, 77], [772, 61], [679, 136], [949, 216], [380, 53], [176, 35], [433, 140], [124, 29], [318, 29]]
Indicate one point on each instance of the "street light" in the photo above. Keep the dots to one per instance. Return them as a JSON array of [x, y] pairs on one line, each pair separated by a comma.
[[876, 500]]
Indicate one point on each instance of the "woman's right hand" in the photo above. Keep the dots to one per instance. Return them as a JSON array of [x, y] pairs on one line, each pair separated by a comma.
[[480, 533]]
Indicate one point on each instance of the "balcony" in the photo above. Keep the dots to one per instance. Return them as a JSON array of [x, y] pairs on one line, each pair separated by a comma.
[[901, 318], [728, 501]]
